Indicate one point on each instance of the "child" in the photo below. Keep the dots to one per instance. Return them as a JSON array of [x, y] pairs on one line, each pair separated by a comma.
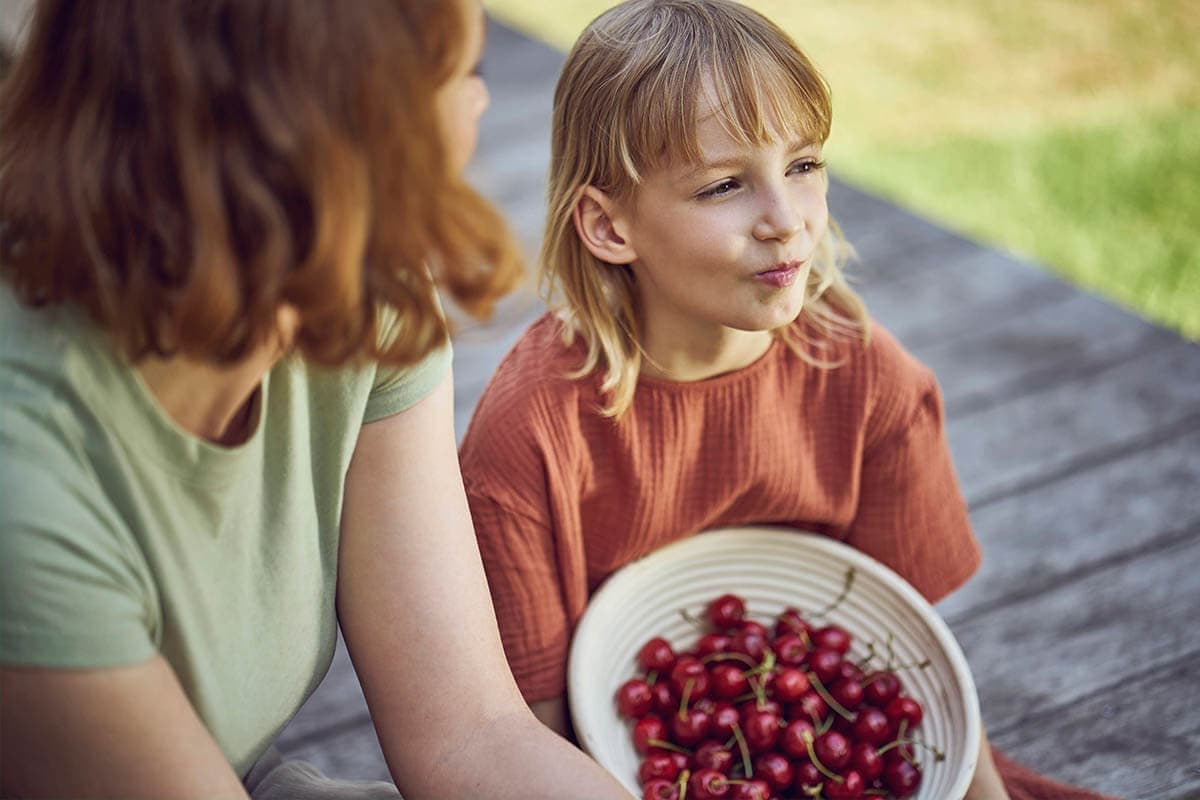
[[708, 366], [227, 409]]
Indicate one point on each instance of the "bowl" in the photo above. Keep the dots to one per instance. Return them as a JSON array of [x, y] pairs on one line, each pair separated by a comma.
[[771, 569]]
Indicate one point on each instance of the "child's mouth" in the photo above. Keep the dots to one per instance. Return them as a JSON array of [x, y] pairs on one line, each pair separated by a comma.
[[780, 275]]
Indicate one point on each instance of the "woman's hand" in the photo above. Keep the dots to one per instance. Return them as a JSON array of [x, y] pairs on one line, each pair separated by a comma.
[[418, 621], [986, 785], [119, 732]]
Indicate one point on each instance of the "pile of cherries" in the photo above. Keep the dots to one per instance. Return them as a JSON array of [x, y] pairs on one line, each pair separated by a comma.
[[758, 713]]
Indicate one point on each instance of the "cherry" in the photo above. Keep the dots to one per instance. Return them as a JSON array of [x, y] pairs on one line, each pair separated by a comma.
[[832, 637], [656, 655], [902, 708], [792, 741], [790, 621], [659, 789], [646, 729], [712, 754], [761, 729], [753, 789], [689, 670], [658, 765], [712, 643], [833, 750], [689, 726], [790, 650], [807, 777], [899, 776], [727, 611], [865, 759], [811, 706], [634, 699], [873, 726], [880, 688], [851, 671], [665, 700], [775, 769], [825, 663], [722, 720], [757, 628], [851, 787], [848, 692], [750, 642], [707, 784], [790, 685], [728, 681], [768, 705]]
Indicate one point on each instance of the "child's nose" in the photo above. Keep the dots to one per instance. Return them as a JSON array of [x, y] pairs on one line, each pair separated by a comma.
[[779, 218]]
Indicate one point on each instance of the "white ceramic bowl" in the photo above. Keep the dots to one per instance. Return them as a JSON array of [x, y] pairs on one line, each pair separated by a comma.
[[771, 568]]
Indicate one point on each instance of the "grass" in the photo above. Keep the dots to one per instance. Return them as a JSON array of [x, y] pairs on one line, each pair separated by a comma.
[[1065, 131]]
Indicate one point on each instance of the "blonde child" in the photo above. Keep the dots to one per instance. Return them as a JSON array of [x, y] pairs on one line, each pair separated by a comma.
[[707, 364]]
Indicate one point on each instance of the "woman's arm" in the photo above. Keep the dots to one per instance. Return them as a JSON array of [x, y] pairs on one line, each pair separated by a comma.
[[418, 621], [120, 732], [986, 784]]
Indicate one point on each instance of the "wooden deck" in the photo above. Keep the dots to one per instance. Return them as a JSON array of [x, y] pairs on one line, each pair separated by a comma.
[[1075, 428]]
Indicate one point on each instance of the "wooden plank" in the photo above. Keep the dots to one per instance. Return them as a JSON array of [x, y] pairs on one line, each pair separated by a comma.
[[1049, 434], [1137, 741], [1112, 514]]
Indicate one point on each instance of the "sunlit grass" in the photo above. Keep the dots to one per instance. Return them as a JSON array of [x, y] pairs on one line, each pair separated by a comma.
[[1065, 131]]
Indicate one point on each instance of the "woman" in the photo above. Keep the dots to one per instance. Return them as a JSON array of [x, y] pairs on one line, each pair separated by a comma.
[[227, 407]]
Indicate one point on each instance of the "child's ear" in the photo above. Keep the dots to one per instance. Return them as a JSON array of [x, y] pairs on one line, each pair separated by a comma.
[[601, 227]]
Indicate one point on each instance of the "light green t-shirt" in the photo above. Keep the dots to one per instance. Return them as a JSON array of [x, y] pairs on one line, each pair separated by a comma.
[[121, 535]]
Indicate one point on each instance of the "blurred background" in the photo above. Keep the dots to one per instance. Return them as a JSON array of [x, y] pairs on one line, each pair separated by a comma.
[[1066, 132]]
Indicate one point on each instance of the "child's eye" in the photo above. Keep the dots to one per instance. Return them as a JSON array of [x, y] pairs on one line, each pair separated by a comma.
[[721, 189], [806, 166]]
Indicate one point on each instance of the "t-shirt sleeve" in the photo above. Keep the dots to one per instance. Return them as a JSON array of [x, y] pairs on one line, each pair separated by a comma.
[[911, 513], [398, 388], [519, 558], [70, 591]]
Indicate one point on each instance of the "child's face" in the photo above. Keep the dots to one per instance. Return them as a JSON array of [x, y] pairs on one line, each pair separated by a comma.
[[464, 97], [727, 242]]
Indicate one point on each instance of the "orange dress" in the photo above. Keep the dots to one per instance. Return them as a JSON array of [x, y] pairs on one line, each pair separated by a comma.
[[562, 497]]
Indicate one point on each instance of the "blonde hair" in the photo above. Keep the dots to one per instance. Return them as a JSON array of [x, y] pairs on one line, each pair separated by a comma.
[[626, 103]]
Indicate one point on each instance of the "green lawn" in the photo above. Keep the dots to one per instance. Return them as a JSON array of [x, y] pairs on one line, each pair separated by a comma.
[[1066, 131]]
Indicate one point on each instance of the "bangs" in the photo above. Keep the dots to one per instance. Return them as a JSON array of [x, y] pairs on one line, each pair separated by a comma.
[[761, 89]]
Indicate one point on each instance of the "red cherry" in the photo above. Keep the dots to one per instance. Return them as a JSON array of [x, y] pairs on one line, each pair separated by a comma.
[[645, 729], [880, 688], [728, 681], [707, 784], [679, 759], [831, 637], [712, 754], [753, 789], [811, 707], [790, 685], [690, 670], [902, 708], [865, 759], [851, 671], [790, 621], [753, 705], [833, 750], [656, 655], [658, 765], [665, 701], [659, 789], [848, 692], [761, 729], [722, 720], [727, 611], [634, 699], [851, 787], [825, 664], [749, 642], [711, 643], [689, 726], [790, 650], [775, 769], [807, 777], [899, 776], [792, 741], [873, 726]]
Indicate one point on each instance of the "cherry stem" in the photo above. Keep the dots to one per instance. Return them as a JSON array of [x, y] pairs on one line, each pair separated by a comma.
[[683, 783], [850, 573], [745, 751], [699, 623], [687, 695], [662, 744], [812, 756], [828, 698]]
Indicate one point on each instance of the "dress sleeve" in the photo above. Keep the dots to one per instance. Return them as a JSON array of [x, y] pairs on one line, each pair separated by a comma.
[[911, 514], [519, 556]]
